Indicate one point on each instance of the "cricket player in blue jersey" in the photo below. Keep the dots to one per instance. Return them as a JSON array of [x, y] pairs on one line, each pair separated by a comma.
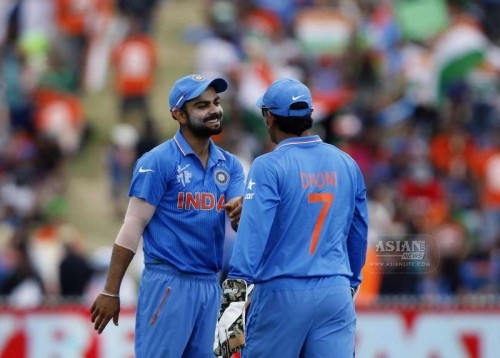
[[301, 242], [180, 193]]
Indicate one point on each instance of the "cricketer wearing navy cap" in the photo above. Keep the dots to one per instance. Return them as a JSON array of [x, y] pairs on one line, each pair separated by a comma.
[[191, 86], [301, 240], [180, 193]]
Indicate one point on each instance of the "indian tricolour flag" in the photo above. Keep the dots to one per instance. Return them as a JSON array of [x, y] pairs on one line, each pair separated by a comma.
[[456, 52], [323, 31]]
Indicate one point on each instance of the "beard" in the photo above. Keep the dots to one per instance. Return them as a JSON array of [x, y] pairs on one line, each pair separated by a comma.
[[200, 130]]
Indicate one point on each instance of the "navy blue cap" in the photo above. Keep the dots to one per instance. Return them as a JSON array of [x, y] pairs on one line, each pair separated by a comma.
[[282, 93], [191, 86]]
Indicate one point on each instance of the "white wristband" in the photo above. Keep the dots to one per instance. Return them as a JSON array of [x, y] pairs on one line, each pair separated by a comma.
[[104, 293]]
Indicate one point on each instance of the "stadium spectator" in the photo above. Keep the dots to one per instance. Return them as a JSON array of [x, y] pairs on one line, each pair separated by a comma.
[[75, 269], [134, 61], [23, 285]]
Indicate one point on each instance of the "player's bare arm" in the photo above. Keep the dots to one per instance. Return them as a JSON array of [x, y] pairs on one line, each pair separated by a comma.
[[107, 304]]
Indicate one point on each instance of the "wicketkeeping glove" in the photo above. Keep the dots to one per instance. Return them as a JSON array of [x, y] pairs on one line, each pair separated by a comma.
[[230, 331]]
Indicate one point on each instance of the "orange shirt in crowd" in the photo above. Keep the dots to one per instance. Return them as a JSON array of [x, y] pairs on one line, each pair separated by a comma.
[[487, 168], [61, 115], [449, 149], [134, 62], [45, 99], [70, 16], [424, 200], [262, 21], [372, 278]]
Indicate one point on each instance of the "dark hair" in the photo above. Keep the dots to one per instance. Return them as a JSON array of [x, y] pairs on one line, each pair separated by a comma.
[[292, 124]]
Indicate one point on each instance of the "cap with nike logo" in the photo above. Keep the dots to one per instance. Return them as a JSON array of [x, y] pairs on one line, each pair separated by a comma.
[[282, 94], [191, 86]]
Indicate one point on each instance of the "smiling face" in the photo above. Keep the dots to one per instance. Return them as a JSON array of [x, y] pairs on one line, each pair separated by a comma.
[[202, 116]]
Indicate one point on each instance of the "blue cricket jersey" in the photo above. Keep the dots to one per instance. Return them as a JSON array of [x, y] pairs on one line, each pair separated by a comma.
[[188, 227], [304, 215]]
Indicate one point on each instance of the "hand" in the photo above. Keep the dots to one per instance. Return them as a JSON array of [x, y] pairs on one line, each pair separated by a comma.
[[233, 209], [230, 330], [103, 310]]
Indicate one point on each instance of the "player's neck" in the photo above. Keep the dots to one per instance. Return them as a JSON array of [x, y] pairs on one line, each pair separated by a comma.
[[200, 146], [280, 136]]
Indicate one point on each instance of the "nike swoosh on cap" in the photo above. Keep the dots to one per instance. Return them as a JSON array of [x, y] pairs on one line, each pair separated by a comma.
[[294, 98]]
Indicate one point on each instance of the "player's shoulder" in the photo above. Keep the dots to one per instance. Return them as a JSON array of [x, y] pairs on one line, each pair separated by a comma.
[[267, 160], [339, 152], [224, 152], [229, 157]]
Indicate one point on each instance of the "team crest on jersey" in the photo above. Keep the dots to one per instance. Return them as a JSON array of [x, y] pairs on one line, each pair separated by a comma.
[[221, 177]]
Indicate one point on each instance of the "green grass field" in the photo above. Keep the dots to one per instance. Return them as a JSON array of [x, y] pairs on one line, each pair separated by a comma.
[[87, 191]]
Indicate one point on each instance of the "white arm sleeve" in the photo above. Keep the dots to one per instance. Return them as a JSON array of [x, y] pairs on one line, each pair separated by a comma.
[[138, 214]]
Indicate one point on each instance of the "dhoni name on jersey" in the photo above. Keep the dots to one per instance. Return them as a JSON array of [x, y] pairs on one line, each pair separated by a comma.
[[318, 180]]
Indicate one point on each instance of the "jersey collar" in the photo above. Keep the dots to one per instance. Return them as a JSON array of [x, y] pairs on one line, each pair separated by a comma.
[[215, 153], [298, 141]]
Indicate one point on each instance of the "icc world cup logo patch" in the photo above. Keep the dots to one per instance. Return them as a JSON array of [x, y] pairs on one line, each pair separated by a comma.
[[221, 177]]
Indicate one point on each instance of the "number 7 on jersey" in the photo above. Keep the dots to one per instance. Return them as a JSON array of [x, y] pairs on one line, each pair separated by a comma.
[[326, 199]]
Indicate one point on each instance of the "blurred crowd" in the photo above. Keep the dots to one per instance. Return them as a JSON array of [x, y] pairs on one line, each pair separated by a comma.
[[53, 52], [410, 89]]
